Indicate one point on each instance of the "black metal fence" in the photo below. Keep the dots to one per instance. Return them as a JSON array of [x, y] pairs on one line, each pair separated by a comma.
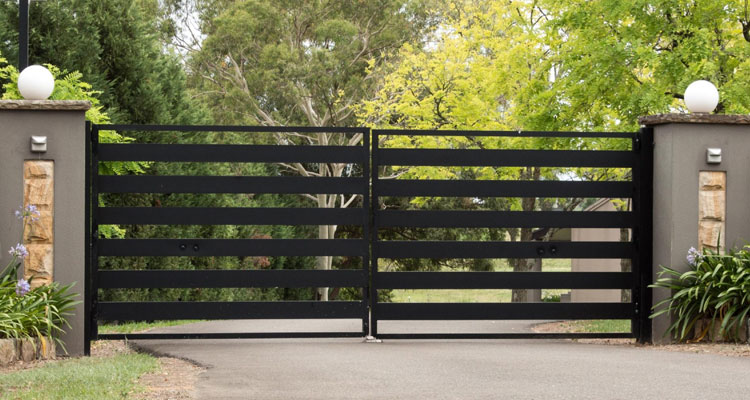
[[637, 250], [371, 161], [190, 247]]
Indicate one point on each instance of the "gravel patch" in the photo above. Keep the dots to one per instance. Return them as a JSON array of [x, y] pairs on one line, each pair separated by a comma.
[[724, 349], [175, 380]]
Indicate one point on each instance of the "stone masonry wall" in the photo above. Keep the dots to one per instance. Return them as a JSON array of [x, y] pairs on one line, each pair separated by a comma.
[[712, 209], [38, 236]]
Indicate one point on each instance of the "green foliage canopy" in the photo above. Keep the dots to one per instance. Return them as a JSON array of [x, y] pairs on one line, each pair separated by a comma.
[[614, 61], [115, 46], [296, 63]]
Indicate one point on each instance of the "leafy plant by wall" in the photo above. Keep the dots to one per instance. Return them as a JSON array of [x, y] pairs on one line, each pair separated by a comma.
[[27, 313], [714, 295]]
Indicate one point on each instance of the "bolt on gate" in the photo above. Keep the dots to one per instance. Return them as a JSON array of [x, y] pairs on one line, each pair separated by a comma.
[[370, 247]]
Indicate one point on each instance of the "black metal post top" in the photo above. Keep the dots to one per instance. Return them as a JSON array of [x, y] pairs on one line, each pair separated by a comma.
[[23, 34]]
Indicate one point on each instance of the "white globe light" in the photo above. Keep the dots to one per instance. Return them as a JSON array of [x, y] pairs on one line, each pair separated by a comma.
[[701, 97], [36, 83]]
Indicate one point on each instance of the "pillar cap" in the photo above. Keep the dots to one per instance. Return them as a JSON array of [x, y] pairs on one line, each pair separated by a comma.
[[45, 105], [695, 118]]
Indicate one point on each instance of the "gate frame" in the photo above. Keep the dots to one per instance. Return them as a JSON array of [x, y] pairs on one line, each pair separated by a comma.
[[642, 178], [92, 243], [641, 239]]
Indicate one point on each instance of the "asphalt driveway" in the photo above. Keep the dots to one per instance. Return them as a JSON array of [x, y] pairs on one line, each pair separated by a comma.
[[457, 369]]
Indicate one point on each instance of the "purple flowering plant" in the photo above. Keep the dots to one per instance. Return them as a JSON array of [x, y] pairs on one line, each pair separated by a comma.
[[19, 251], [31, 312], [28, 215], [693, 256], [22, 287]]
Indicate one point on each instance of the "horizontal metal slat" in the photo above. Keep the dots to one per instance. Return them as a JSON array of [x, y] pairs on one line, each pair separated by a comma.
[[227, 184], [491, 249], [502, 311], [231, 247], [146, 311], [507, 158], [522, 335], [561, 134], [230, 153], [467, 188], [229, 128], [504, 219], [227, 335], [230, 278], [230, 216], [503, 280], [519, 335]]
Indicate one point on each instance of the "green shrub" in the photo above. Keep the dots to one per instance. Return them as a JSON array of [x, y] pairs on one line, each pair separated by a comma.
[[551, 298], [716, 288], [26, 312]]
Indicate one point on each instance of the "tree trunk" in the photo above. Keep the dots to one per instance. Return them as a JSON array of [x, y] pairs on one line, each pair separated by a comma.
[[625, 265], [535, 295], [322, 263], [325, 232], [523, 264]]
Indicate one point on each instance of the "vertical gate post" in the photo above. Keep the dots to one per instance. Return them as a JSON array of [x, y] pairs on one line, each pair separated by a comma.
[[643, 233], [681, 163], [55, 180], [92, 331], [366, 231], [374, 235], [88, 244]]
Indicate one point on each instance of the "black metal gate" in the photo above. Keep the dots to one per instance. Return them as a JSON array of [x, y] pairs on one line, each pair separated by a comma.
[[638, 250], [370, 247], [189, 247]]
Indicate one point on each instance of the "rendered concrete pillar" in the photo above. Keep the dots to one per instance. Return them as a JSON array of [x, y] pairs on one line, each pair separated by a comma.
[[683, 176], [63, 167]]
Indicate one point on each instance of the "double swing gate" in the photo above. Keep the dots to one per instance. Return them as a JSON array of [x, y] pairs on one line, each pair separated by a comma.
[[369, 174]]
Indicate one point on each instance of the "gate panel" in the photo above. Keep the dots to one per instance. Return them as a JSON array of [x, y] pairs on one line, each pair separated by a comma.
[[357, 155], [638, 188], [385, 219]]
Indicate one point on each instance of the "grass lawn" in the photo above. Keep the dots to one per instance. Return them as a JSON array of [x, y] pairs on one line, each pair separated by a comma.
[[599, 325], [132, 327], [80, 378], [586, 326]]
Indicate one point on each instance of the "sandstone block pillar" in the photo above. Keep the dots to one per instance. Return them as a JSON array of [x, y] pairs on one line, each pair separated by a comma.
[[697, 203], [38, 191], [53, 181]]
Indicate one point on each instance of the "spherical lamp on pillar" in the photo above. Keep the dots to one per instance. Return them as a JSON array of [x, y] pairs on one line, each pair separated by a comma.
[[701, 97], [36, 83]]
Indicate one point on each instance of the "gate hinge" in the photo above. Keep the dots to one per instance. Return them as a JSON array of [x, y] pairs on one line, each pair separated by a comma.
[[637, 142]]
